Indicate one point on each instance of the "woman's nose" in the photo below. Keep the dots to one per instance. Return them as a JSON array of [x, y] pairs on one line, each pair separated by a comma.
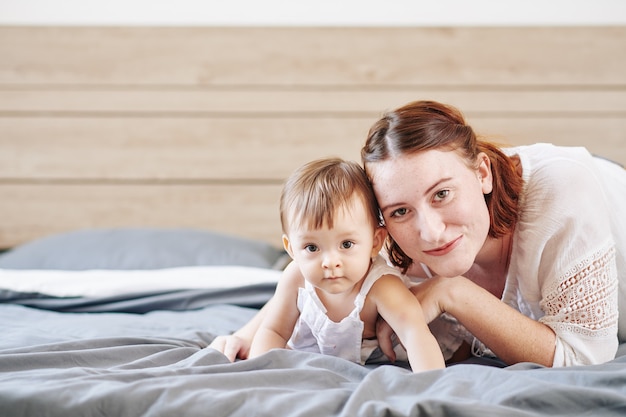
[[430, 226]]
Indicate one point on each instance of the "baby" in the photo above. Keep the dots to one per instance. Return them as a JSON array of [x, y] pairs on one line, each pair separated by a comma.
[[330, 296]]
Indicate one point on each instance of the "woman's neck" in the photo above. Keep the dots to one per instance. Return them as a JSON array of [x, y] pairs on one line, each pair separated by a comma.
[[492, 264]]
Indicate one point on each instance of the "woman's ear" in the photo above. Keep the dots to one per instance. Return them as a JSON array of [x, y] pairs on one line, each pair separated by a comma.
[[485, 176], [287, 246], [380, 234]]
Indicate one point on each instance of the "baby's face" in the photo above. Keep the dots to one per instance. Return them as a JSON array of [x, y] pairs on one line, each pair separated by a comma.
[[335, 259]]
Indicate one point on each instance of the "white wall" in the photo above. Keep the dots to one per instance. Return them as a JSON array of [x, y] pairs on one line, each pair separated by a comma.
[[313, 12]]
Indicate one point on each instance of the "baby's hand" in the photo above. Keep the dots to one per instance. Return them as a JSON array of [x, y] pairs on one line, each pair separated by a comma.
[[232, 347]]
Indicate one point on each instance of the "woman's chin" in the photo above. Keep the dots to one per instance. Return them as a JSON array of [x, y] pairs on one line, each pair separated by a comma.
[[450, 270]]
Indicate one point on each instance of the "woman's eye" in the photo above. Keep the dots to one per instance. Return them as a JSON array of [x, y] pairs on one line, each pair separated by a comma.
[[310, 248], [442, 194], [347, 244], [399, 212]]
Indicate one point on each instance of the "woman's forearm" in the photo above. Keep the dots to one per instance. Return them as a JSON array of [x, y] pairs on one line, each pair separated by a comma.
[[512, 336]]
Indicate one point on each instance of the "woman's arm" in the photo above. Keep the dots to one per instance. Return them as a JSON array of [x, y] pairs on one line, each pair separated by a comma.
[[512, 336]]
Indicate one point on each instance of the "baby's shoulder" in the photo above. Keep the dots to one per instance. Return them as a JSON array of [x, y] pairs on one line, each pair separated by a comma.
[[388, 282], [292, 276]]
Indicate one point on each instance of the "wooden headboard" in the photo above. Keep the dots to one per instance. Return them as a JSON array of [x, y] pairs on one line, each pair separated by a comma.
[[198, 127]]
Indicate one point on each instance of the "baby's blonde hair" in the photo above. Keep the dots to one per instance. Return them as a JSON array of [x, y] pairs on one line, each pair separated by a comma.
[[315, 192]]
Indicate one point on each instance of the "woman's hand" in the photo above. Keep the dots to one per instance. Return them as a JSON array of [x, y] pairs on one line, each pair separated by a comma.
[[233, 346], [491, 321], [432, 295]]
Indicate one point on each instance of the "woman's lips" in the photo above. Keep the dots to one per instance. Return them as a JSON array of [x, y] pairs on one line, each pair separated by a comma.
[[445, 249]]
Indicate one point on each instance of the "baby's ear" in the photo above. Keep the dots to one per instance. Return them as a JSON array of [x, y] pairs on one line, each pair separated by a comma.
[[380, 234], [287, 246]]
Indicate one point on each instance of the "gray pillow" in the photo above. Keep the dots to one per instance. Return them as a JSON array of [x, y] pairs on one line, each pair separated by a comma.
[[140, 248]]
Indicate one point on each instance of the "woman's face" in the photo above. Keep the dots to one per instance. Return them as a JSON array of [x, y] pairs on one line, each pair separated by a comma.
[[434, 207]]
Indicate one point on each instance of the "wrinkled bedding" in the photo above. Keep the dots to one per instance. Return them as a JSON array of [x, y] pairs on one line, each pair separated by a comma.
[[96, 356]]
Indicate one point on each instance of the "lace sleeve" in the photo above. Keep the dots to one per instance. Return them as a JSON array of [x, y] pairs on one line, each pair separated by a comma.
[[581, 308]]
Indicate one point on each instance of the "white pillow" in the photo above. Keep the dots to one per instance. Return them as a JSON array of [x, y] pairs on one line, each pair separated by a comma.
[[103, 283]]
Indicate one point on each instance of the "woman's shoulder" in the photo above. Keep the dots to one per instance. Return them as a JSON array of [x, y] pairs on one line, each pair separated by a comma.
[[563, 197], [548, 159], [568, 207], [558, 175], [562, 175], [542, 158]]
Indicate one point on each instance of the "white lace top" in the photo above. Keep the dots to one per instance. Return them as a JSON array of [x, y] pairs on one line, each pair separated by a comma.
[[569, 250]]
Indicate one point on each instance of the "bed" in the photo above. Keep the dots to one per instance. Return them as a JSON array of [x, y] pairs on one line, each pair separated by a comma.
[[119, 321], [140, 169]]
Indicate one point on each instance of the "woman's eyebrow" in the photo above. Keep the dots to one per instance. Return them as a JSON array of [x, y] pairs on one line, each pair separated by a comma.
[[437, 184], [426, 192]]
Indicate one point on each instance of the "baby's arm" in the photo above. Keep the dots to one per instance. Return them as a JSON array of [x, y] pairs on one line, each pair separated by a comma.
[[399, 307], [237, 345], [281, 315]]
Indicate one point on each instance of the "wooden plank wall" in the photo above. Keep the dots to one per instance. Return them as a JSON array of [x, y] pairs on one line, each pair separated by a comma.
[[198, 127]]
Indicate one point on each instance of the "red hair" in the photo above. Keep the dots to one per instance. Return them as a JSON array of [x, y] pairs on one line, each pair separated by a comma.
[[425, 125]]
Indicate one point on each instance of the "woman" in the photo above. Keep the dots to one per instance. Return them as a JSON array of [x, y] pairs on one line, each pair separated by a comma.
[[522, 248]]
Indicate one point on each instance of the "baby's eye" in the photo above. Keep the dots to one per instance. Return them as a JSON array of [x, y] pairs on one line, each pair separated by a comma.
[[347, 244], [399, 212], [311, 248]]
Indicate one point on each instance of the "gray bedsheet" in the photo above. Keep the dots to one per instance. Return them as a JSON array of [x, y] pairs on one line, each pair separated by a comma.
[[158, 364]]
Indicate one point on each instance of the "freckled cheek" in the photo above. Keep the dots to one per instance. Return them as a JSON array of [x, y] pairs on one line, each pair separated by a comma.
[[471, 214], [405, 236]]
